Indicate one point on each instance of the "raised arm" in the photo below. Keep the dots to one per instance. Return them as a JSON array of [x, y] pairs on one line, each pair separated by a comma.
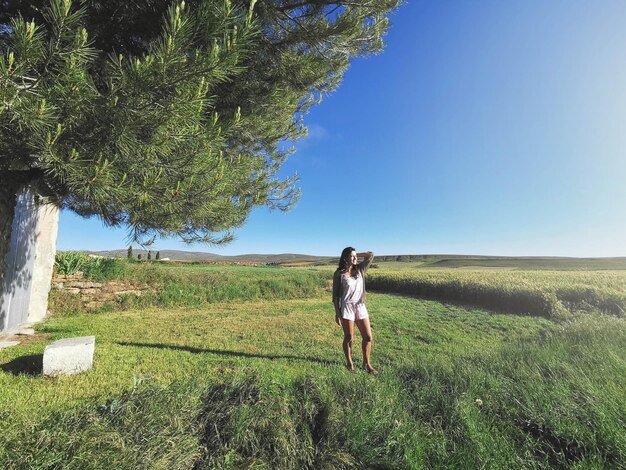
[[365, 264]]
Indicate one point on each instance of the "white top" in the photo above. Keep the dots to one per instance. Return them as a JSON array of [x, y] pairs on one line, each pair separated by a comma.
[[352, 289]]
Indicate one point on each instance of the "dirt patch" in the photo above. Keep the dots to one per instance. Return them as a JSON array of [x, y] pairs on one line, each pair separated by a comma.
[[27, 339]]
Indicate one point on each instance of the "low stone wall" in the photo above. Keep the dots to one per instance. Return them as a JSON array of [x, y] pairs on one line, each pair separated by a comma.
[[94, 294]]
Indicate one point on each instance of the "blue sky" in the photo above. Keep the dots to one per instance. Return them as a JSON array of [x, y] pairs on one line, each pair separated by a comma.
[[485, 127]]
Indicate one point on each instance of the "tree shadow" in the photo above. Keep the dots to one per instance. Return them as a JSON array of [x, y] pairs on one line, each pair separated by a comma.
[[18, 210], [221, 352], [29, 365]]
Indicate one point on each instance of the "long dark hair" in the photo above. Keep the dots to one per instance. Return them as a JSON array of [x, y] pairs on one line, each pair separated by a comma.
[[344, 261]]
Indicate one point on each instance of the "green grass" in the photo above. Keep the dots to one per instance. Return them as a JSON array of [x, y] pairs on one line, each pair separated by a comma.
[[99, 269], [551, 294], [261, 384], [176, 285]]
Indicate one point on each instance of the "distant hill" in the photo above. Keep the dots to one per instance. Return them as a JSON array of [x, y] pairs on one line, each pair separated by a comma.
[[420, 261], [510, 262], [171, 254], [181, 255], [534, 263]]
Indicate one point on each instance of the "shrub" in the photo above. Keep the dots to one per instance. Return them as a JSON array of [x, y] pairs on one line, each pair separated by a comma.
[[103, 269], [70, 262]]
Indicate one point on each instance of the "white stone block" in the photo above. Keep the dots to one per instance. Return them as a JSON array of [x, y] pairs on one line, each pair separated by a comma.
[[8, 344], [69, 356]]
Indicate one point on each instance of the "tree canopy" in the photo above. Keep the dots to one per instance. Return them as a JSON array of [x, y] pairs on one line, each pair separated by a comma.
[[169, 118]]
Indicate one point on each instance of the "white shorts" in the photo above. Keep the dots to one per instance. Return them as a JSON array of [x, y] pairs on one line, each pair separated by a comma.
[[354, 312]]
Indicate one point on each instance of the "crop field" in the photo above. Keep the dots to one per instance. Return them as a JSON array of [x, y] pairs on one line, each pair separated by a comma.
[[241, 367], [552, 294]]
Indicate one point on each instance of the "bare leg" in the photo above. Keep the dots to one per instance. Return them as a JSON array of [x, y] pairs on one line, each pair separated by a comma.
[[348, 332], [366, 334]]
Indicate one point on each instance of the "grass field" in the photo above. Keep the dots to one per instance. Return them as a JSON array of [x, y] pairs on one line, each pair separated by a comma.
[[195, 285], [508, 263], [258, 382], [551, 294]]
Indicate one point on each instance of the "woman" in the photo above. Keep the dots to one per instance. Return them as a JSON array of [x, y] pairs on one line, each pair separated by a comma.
[[349, 301]]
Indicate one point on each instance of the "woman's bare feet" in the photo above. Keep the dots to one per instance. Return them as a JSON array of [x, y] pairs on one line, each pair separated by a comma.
[[370, 370], [350, 366]]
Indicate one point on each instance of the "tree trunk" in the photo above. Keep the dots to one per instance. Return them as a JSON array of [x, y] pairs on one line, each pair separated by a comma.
[[27, 250]]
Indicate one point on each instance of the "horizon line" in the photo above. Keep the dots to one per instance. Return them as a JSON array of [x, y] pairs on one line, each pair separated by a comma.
[[375, 254]]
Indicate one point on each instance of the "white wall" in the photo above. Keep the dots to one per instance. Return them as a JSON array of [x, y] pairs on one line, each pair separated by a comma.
[[29, 262]]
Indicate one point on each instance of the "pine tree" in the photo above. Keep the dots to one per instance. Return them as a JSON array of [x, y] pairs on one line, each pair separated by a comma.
[[158, 255], [167, 118], [149, 255], [129, 253]]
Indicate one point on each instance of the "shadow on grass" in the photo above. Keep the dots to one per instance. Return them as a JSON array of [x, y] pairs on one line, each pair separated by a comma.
[[229, 353], [29, 365], [447, 302]]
